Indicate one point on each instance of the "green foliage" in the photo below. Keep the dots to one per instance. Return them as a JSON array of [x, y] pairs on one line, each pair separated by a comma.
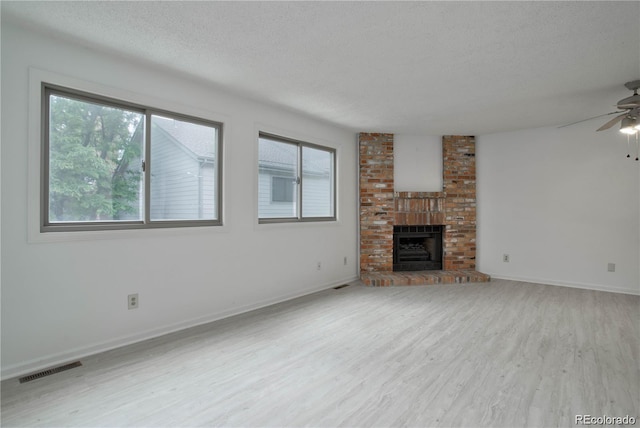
[[94, 161]]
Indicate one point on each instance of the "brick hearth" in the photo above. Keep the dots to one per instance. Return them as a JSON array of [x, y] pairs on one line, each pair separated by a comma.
[[427, 277], [381, 208]]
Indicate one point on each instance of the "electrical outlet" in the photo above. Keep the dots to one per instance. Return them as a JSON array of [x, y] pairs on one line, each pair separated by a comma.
[[133, 301], [611, 267], [319, 266], [345, 260], [505, 258]]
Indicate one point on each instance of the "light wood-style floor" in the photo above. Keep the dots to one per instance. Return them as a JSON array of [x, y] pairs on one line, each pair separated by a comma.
[[498, 354]]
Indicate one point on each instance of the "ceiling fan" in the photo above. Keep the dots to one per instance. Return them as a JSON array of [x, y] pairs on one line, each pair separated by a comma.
[[628, 115], [630, 111]]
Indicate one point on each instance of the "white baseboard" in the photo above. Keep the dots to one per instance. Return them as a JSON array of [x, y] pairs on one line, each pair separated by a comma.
[[54, 360], [585, 286]]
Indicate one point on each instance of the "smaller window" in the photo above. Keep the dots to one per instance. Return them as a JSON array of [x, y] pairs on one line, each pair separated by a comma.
[[296, 180], [282, 189]]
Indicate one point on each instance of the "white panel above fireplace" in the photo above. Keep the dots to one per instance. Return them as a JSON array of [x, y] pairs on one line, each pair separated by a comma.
[[417, 163]]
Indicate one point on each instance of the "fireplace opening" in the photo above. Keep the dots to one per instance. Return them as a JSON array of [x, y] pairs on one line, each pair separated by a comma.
[[417, 248]]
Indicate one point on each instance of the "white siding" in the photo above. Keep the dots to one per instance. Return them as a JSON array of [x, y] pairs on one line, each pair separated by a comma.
[[316, 198], [180, 187]]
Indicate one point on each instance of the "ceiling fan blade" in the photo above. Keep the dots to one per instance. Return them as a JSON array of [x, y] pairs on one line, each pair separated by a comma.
[[591, 118], [613, 121]]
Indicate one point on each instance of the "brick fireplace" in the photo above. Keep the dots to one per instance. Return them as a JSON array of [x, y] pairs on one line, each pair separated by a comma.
[[382, 208]]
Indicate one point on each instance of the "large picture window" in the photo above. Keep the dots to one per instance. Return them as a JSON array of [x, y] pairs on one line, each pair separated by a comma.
[[296, 180], [108, 164]]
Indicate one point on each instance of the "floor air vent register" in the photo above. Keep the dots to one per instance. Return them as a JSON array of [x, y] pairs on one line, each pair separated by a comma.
[[49, 372]]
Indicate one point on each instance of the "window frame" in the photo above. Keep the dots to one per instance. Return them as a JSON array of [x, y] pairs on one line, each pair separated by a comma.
[[48, 89], [300, 218]]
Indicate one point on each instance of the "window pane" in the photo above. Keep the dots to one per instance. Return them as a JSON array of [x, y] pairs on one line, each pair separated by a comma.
[[282, 189], [95, 154], [277, 166], [183, 170], [317, 183]]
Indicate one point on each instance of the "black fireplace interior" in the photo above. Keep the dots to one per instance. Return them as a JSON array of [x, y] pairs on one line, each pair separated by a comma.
[[417, 248]]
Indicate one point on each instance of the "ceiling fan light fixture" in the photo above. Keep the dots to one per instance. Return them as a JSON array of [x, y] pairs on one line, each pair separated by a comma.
[[629, 125]]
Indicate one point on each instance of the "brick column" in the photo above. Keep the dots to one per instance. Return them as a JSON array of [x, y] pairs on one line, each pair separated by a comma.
[[377, 209], [459, 180]]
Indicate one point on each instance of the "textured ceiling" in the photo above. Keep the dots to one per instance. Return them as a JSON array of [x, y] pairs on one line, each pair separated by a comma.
[[406, 67]]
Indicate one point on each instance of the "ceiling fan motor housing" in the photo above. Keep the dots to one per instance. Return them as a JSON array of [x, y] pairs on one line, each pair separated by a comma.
[[633, 85], [633, 101]]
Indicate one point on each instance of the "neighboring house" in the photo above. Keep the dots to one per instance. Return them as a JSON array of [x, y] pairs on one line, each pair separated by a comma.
[[277, 178], [183, 170], [183, 175]]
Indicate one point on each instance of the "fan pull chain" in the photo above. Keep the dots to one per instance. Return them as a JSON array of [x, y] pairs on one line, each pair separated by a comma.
[[637, 148], [629, 145]]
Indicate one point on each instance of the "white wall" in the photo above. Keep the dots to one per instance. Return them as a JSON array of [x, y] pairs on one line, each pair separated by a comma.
[[417, 163], [64, 295], [563, 203]]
